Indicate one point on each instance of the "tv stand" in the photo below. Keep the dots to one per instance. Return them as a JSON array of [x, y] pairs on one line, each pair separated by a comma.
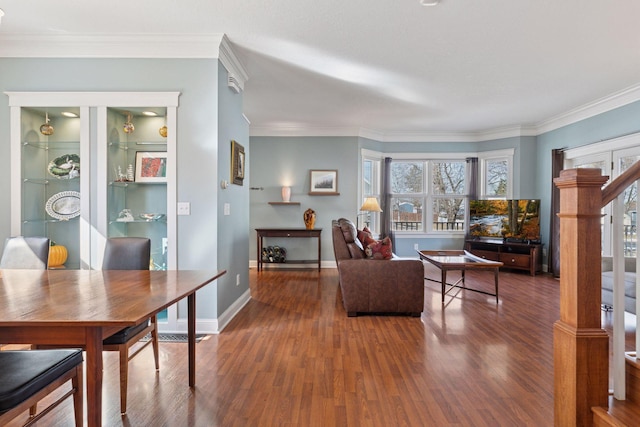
[[518, 256]]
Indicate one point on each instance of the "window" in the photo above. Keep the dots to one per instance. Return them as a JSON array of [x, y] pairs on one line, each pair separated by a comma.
[[370, 188], [418, 184], [613, 157], [496, 174], [495, 184]]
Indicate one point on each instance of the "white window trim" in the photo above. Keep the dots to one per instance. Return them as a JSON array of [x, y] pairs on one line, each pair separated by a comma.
[[487, 156], [483, 156]]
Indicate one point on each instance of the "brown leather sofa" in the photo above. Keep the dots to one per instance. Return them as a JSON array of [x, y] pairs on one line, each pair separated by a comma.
[[375, 286]]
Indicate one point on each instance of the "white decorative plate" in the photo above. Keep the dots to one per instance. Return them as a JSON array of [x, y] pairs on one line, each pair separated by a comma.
[[64, 205]]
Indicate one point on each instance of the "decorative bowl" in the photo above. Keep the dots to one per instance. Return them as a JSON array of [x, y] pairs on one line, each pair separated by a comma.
[[151, 216]]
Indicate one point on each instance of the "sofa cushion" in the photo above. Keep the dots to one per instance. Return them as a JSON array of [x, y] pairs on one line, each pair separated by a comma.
[[629, 283], [380, 249], [350, 234]]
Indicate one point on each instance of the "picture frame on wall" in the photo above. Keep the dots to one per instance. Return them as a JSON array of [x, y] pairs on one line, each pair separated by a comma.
[[323, 182], [151, 166], [238, 163]]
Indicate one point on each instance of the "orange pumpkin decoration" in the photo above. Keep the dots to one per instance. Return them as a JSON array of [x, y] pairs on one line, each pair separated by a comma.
[[57, 255]]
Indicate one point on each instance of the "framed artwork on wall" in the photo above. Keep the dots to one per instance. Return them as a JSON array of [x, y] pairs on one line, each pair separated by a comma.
[[237, 163], [151, 166], [323, 182]]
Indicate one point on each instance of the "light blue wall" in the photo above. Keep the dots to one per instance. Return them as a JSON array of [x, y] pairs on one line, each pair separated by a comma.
[[287, 161], [197, 139], [233, 229], [612, 124], [293, 156]]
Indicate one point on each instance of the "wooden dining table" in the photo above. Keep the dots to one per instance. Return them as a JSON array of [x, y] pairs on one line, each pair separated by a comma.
[[82, 307]]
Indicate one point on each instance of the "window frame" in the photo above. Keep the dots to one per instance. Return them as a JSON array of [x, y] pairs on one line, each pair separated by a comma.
[[428, 195], [484, 159], [376, 184]]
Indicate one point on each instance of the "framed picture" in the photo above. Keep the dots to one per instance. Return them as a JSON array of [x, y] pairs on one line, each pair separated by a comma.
[[237, 163], [151, 166], [323, 183]]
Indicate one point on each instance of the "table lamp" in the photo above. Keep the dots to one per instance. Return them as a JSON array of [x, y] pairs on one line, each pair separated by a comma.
[[370, 205]]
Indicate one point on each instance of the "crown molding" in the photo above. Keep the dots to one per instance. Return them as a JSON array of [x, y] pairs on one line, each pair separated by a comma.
[[375, 135], [218, 46], [599, 106], [112, 46], [231, 63], [282, 131]]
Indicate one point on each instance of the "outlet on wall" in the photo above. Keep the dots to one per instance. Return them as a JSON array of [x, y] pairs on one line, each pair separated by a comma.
[[237, 280], [415, 247]]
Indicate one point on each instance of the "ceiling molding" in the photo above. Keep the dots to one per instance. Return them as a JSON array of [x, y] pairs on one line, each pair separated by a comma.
[[511, 132], [599, 106], [231, 63], [112, 46], [217, 46], [303, 131]]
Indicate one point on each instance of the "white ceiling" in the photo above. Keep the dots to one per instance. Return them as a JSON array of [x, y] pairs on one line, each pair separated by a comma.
[[391, 69]]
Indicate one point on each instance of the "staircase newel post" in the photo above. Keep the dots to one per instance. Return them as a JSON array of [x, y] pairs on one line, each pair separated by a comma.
[[581, 346]]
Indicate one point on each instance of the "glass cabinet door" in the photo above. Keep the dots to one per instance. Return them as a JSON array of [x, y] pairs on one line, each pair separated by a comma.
[[51, 168], [137, 177]]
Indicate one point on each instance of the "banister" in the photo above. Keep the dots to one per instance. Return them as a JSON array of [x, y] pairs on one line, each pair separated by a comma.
[[619, 184]]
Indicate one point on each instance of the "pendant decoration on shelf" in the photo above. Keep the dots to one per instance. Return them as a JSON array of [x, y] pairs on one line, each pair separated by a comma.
[[163, 131], [128, 125], [46, 128], [309, 219]]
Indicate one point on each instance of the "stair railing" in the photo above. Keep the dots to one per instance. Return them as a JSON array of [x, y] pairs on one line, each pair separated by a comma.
[[614, 193], [581, 346]]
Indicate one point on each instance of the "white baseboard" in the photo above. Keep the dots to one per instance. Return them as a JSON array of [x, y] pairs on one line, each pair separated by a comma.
[[226, 317], [323, 264], [214, 326]]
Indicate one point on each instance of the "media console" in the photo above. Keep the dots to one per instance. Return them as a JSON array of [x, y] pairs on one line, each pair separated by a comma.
[[519, 256]]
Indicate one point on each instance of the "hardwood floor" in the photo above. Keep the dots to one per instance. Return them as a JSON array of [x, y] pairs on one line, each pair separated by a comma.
[[292, 357]]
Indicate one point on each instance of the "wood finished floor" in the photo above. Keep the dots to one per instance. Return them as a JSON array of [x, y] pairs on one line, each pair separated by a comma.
[[292, 357]]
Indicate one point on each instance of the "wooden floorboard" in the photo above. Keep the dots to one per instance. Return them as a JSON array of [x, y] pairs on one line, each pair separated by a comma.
[[292, 357]]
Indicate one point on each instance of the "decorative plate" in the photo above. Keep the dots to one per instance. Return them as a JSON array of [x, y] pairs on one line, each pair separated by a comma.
[[66, 166], [64, 205]]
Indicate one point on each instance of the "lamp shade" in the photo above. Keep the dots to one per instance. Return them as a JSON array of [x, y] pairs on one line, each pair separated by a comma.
[[370, 205]]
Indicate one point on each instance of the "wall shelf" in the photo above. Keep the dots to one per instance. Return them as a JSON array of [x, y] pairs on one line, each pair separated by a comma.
[[285, 203]]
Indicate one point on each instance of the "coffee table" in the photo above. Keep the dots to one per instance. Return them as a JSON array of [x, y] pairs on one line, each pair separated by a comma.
[[459, 260]]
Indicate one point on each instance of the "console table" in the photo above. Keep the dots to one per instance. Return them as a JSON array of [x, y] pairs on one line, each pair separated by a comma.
[[288, 232]]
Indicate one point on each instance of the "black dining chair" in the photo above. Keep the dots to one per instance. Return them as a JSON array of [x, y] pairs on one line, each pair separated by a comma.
[[129, 253], [25, 253], [27, 377]]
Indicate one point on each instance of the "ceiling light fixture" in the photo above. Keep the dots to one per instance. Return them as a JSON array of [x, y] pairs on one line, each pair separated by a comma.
[[69, 114], [429, 2], [150, 113]]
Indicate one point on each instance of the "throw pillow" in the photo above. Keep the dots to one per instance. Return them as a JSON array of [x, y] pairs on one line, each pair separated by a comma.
[[380, 249], [365, 237]]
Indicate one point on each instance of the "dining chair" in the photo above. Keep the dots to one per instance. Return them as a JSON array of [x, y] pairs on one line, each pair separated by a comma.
[[29, 376], [129, 253], [25, 253]]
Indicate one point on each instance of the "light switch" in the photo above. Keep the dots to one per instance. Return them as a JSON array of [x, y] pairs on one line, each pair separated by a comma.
[[184, 208], [227, 209]]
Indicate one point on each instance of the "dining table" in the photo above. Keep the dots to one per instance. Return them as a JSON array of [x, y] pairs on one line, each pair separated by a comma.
[[80, 308]]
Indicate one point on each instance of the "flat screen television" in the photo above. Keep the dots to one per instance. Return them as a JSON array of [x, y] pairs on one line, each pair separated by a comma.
[[512, 220]]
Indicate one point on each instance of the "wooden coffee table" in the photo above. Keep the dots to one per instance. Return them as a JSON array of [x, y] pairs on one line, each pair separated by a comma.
[[459, 260]]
